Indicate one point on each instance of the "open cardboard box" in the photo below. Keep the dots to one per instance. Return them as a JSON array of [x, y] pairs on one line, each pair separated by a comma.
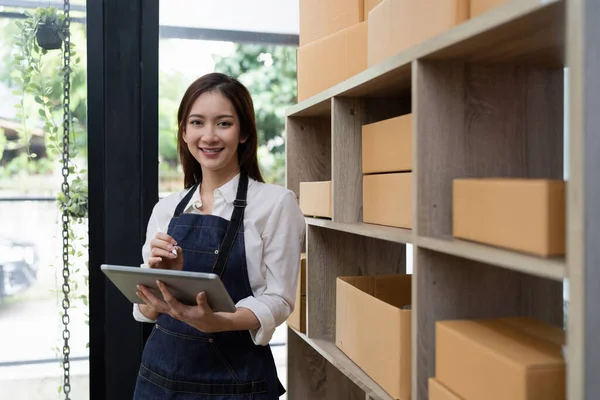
[[374, 330]]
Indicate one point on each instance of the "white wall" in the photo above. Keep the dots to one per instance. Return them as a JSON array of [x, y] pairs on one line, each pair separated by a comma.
[[272, 16]]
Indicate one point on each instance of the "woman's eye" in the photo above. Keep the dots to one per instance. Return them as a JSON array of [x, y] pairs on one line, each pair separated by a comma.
[[225, 124], [196, 122]]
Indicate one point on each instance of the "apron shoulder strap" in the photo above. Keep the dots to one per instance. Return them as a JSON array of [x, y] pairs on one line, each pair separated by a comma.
[[234, 225], [184, 202]]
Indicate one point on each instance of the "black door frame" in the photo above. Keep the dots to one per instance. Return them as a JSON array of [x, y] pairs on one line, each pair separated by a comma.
[[122, 38]]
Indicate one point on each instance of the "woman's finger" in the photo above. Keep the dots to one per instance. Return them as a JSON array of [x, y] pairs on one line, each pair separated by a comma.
[[165, 237], [152, 300], [142, 296], [161, 244], [156, 252], [154, 261], [177, 309]]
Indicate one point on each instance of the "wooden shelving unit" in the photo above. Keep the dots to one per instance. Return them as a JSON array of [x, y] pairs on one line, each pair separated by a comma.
[[487, 99]]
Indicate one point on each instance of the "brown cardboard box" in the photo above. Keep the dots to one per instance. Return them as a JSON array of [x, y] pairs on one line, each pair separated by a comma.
[[437, 391], [478, 7], [387, 199], [297, 318], [315, 199], [396, 25], [320, 18], [520, 214], [374, 331], [493, 360], [533, 327], [369, 5], [387, 145], [331, 60]]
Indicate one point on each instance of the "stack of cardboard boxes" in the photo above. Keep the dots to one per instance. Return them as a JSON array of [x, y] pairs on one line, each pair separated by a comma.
[[333, 43], [341, 38], [387, 176]]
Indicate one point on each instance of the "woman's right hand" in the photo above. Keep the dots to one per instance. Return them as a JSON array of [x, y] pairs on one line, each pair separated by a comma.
[[161, 253]]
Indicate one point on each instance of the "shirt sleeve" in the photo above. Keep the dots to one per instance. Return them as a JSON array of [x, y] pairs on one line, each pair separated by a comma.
[[153, 224], [282, 247]]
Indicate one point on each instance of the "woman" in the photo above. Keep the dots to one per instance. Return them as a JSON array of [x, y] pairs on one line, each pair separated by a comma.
[[226, 221]]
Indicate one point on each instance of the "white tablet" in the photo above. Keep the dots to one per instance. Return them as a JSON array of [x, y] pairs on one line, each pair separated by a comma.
[[184, 285]]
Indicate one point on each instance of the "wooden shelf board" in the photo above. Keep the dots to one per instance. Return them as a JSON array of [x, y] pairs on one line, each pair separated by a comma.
[[335, 356], [386, 233], [551, 268], [524, 32], [521, 31]]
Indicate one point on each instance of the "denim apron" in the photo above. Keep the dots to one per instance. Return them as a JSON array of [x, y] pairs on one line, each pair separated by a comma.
[[181, 363]]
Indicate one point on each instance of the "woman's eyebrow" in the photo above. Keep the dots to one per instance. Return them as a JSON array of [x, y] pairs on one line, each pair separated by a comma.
[[218, 116]]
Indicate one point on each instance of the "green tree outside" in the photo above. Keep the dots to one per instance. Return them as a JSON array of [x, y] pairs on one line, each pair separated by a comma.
[[269, 72]]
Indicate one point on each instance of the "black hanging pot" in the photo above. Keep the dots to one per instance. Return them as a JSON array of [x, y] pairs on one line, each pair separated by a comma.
[[49, 36]]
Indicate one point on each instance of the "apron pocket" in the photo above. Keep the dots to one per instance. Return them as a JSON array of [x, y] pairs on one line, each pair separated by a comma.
[[243, 389]]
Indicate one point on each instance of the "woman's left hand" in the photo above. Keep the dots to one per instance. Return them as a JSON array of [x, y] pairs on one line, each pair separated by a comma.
[[200, 316]]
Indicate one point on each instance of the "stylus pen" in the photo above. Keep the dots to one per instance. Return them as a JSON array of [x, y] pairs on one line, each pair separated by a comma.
[[174, 251]]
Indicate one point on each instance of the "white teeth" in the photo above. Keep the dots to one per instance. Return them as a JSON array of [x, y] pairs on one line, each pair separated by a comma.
[[211, 150]]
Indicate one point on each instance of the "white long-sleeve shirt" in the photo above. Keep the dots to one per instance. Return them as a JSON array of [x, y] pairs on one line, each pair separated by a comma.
[[273, 233]]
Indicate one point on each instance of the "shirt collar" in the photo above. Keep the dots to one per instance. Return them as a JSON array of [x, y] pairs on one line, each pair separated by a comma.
[[229, 190]]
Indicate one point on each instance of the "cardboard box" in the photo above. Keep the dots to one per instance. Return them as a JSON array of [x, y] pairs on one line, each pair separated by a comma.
[[519, 214], [387, 145], [493, 360], [437, 391], [315, 199], [320, 18], [396, 25], [374, 331], [538, 329], [387, 199], [331, 60], [369, 5], [297, 319], [478, 7]]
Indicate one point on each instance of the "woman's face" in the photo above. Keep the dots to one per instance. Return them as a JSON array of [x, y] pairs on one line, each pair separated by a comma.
[[212, 133]]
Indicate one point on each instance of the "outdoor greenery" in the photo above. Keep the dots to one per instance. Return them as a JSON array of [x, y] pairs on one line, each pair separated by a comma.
[[35, 78], [269, 72]]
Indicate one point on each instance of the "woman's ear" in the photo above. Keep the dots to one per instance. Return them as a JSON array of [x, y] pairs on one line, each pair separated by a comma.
[[183, 135], [243, 139]]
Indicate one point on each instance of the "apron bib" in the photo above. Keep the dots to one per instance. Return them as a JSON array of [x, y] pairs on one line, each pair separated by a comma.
[[181, 363]]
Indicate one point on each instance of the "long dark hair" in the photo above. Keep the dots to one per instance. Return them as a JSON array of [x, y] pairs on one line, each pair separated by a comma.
[[239, 96]]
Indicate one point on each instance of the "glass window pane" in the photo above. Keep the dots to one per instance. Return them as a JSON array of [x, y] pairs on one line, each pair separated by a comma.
[[31, 245], [253, 41]]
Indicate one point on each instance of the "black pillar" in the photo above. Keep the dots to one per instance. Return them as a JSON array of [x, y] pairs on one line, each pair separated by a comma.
[[122, 39]]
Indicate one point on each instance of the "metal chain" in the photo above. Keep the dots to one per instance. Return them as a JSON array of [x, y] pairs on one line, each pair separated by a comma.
[[65, 189]]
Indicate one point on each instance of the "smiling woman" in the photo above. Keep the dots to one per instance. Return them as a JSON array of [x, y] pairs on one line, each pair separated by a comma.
[[229, 222], [217, 109]]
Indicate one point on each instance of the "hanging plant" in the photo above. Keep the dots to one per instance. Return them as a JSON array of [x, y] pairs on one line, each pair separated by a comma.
[[50, 28], [46, 29], [40, 31]]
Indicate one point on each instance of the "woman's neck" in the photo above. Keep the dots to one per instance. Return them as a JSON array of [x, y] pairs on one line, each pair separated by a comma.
[[212, 180]]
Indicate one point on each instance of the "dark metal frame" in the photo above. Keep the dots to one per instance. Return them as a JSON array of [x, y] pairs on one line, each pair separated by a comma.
[[122, 39]]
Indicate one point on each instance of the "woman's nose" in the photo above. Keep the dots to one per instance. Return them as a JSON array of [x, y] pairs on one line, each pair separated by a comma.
[[210, 133]]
